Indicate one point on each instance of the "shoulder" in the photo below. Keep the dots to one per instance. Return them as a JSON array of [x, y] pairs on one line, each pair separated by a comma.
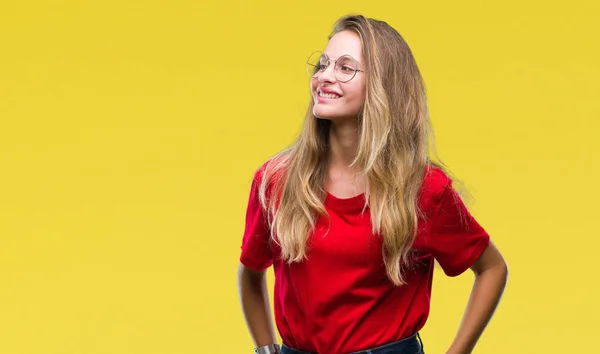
[[436, 179], [435, 182], [271, 168], [271, 173]]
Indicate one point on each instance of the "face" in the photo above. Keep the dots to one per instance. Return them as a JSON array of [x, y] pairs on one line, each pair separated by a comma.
[[335, 100]]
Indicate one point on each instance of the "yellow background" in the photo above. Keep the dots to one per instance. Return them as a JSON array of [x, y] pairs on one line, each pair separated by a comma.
[[130, 130]]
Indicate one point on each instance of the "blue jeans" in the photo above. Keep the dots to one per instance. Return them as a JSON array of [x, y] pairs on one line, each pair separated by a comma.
[[410, 345]]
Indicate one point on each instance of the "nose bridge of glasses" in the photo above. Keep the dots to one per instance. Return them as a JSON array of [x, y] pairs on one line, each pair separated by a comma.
[[325, 71], [330, 61]]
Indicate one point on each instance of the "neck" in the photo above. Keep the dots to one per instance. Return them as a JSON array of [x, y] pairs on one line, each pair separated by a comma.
[[343, 140]]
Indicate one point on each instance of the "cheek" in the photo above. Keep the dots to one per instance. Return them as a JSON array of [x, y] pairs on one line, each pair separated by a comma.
[[356, 96], [314, 83]]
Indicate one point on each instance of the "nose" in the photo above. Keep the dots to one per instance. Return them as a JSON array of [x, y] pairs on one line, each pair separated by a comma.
[[328, 75]]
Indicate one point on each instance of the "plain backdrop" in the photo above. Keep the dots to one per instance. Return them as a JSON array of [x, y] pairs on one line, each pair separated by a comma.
[[130, 132]]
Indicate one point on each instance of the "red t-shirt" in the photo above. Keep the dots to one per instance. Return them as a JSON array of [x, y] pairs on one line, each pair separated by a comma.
[[340, 300]]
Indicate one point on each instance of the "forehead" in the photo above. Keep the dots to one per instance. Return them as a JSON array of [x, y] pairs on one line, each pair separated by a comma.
[[345, 42]]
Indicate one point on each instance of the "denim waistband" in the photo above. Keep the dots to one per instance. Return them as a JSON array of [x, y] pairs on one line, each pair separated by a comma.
[[409, 345]]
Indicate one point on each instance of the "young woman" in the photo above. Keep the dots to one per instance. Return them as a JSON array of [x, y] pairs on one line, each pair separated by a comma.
[[354, 214]]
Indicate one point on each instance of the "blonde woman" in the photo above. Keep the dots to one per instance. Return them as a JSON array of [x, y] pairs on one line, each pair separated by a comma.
[[353, 216]]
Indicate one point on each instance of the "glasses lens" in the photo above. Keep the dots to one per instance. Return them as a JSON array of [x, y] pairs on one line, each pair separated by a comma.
[[345, 68], [316, 61]]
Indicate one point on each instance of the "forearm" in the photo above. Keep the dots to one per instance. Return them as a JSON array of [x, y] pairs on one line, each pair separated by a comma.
[[485, 296], [254, 298]]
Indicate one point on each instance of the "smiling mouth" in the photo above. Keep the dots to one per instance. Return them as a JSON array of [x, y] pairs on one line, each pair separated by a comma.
[[328, 95]]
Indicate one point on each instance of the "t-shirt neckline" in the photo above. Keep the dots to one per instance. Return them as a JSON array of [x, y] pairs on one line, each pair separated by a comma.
[[355, 203]]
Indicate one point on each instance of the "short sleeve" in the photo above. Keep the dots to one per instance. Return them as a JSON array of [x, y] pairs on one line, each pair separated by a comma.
[[256, 250], [456, 240]]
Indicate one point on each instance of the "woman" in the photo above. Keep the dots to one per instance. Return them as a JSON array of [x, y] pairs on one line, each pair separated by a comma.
[[354, 214]]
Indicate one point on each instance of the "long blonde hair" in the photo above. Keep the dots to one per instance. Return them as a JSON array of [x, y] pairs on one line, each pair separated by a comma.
[[393, 154]]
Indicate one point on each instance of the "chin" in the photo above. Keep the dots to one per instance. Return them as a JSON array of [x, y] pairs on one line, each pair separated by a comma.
[[326, 114]]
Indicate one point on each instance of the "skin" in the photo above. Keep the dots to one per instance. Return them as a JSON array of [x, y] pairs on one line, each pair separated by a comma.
[[491, 272], [254, 297], [343, 181], [491, 275]]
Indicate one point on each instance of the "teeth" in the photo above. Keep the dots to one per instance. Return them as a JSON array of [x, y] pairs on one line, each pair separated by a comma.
[[328, 95]]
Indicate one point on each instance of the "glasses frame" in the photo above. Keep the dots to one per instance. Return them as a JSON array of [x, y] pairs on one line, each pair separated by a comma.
[[313, 74]]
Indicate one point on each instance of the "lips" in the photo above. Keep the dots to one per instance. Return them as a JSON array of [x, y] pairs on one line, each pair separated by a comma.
[[328, 95], [325, 93]]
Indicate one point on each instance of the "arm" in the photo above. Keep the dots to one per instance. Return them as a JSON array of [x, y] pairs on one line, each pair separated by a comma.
[[254, 298], [491, 274]]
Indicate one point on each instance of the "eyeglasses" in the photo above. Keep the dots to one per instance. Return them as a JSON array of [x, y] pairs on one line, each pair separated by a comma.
[[345, 67]]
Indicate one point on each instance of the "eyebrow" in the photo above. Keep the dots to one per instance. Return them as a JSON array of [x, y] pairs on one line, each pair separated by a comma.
[[335, 59], [339, 56]]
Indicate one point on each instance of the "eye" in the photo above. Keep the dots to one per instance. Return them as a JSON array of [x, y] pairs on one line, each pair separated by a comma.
[[347, 69]]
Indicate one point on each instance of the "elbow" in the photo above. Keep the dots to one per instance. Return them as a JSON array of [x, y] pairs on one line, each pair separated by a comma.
[[505, 272], [499, 272]]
